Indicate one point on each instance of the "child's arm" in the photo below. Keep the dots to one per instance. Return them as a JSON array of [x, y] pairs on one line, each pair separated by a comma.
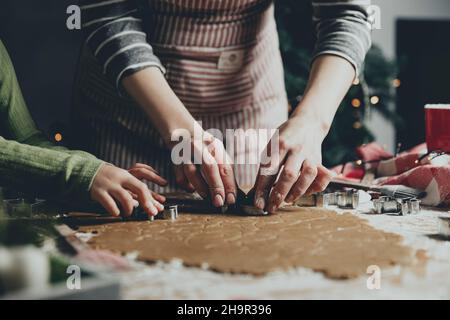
[[58, 175], [48, 173], [32, 164]]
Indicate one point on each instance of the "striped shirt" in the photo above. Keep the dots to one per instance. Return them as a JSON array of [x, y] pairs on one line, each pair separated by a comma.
[[116, 35]]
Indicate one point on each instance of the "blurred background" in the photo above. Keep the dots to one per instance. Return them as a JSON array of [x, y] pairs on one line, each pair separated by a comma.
[[407, 68]]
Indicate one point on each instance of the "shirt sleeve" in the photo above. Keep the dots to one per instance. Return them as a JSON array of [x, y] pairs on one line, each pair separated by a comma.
[[343, 29], [115, 35], [45, 172], [28, 161]]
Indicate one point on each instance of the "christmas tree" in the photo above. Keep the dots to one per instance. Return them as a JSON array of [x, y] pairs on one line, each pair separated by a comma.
[[375, 87]]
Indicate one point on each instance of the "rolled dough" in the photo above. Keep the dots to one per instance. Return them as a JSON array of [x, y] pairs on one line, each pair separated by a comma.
[[340, 246]]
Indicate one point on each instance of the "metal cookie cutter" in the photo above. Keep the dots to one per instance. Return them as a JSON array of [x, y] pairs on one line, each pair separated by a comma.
[[313, 200], [343, 199], [317, 200], [139, 215], [245, 205], [414, 206], [348, 199], [330, 199], [23, 207], [170, 213], [444, 226]]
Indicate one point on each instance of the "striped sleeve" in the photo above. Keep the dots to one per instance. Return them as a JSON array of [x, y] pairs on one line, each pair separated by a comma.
[[343, 29], [115, 34]]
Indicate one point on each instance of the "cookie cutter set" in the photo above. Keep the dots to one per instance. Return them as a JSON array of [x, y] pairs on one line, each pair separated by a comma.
[[400, 207], [347, 199], [350, 199]]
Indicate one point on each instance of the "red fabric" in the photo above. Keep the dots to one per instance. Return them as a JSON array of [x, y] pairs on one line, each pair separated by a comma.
[[372, 151], [431, 175]]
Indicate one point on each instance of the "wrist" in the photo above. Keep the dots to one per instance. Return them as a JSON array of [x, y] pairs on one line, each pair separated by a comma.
[[312, 117], [187, 130]]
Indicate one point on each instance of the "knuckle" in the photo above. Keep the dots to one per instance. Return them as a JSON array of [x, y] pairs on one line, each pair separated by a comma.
[[125, 196], [191, 170], [301, 191], [327, 180], [142, 187], [310, 171], [297, 148], [209, 166], [147, 205], [327, 176], [179, 179], [322, 185], [117, 189], [216, 188], [283, 143], [225, 171], [131, 179], [278, 195], [125, 175], [290, 174], [295, 194]]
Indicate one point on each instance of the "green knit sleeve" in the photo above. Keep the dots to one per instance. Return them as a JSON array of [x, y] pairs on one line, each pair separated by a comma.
[[44, 172], [28, 161], [15, 120]]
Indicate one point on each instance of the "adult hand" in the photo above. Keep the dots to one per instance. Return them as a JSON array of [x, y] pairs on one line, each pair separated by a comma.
[[211, 174], [298, 157]]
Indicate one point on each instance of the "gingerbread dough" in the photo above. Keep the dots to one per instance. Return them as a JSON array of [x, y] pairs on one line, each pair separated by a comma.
[[340, 246]]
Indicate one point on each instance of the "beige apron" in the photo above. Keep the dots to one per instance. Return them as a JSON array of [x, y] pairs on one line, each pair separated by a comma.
[[223, 62]]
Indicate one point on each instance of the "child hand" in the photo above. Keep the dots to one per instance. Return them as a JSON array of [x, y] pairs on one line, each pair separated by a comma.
[[146, 172], [113, 185]]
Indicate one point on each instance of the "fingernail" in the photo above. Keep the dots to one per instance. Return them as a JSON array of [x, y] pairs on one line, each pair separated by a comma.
[[135, 203], [218, 200], [260, 203], [231, 199], [289, 199], [160, 206]]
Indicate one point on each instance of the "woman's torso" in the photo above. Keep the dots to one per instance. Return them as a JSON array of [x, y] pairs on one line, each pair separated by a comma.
[[222, 61]]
